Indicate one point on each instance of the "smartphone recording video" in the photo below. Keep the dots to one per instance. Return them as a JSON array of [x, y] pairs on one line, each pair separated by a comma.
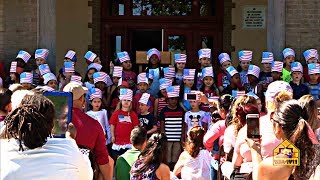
[[253, 127], [63, 107]]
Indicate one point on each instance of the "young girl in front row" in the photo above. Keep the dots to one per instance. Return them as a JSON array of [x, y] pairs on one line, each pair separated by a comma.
[[208, 87], [99, 114], [122, 121]]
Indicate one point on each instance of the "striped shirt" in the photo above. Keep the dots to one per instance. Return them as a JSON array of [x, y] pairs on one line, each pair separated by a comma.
[[173, 123], [161, 104], [314, 90]]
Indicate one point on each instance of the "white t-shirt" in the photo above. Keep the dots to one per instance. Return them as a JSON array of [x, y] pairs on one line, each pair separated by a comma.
[[102, 117], [196, 168], [59, 158]]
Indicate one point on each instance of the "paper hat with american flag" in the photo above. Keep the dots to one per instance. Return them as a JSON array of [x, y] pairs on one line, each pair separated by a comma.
[[44, 69], [169, 72], [204, 53], [90, 56], [95, 93], [189, 73], [142, 78], [117, 71], [180, 58], [26, 77], [13, 67], [173, 91], [102, 77], [96, 66], [311, 53], [207, 71], [126, 94], [288, 52], [245, 55], [71, 55], [224, 57], [123, 56], [313, 68], [41, 53], [48, 77], [24, 55], [69, 67], [164, 83], [254, 70], [267, 57], [153, 51], [144, 98], [296, 67], [276, 66], [77, 79]]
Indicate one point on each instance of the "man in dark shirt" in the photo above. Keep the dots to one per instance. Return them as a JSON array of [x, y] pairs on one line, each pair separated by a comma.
[[89, 131]]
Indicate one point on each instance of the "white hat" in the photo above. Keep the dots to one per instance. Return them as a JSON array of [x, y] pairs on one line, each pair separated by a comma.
[[169, 72], [71, 55], [173, 91], [276, 66], [24, 55], [123, 56], [26, 77], [44, 69], [207, 71], [125, 94], [231, 71], [164, 83], [95, 93], [311, 53], [223, 57], [204, 53], [254, 70], [142, 78], [153, 51], [13, 67], [296, 66], [48, 77], [313, 68], [90, 56], [77, 79], [189, 73], [117, 71], [41, 53], [96, 66], [180, 58], [69, 67], [144, 98], [76, 89], [245, 55], [288, 52], [267, 57]]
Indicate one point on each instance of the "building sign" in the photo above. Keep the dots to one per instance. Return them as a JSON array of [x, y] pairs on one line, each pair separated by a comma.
[[286, 154], [254, 17]]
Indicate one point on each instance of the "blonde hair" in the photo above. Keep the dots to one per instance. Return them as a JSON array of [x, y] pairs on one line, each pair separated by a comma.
[[279, 98], [241, 101], [119, 106]]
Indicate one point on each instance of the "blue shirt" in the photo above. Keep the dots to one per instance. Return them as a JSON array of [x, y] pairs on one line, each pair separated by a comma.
[[244, 77], [186, 103], [299, 90], [155, 86], [179, 79], [314, 90]]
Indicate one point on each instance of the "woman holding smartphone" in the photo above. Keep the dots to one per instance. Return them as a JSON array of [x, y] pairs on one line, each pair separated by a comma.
[[289, 122]]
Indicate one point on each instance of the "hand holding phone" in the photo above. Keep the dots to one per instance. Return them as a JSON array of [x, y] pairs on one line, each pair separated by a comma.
[[253, 126]]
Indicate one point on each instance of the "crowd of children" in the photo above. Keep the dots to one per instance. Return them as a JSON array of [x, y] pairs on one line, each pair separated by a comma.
[[157, 99]]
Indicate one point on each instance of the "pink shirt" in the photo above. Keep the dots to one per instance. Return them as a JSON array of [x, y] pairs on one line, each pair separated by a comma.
[[216, 131]]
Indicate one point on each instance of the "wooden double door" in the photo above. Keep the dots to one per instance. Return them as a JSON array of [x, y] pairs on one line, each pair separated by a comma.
[[122, 30]]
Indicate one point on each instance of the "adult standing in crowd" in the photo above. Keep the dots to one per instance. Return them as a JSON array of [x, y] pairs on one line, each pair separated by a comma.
[[89, 131], [27, 152], [5, 104], [289, 122]]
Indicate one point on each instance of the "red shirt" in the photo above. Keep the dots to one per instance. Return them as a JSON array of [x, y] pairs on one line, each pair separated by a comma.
[[90, 135], [135, 103], [123, 122], [220, 79]]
